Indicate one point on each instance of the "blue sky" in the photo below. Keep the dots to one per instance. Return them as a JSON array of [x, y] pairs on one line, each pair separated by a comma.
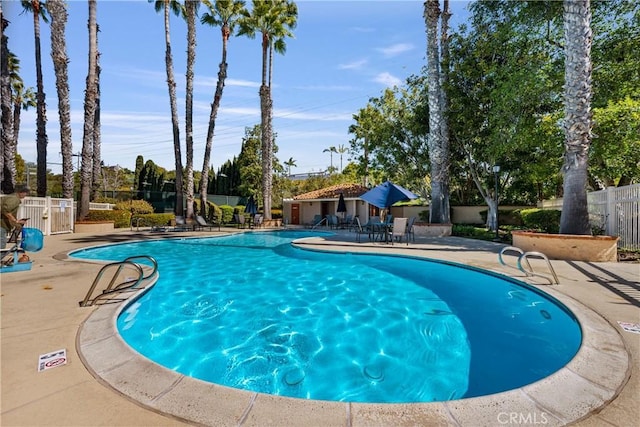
[[343, 53]]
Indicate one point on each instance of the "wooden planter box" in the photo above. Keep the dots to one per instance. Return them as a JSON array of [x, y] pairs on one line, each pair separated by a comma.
[[431, 230], [568, 246], [93, 227]]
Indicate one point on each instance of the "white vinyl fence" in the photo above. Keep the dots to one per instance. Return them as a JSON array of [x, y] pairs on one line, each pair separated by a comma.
[[47, 214], [616, 209]]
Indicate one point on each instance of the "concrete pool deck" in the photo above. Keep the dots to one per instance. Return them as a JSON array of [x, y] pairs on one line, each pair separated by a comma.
[[104, 383]]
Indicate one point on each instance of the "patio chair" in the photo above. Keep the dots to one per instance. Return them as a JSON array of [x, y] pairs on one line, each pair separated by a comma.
[[399, 230], [332, 221], [374, 227], [410, 231], [258, 220], [202, 223], [360, 230], [240, 220]]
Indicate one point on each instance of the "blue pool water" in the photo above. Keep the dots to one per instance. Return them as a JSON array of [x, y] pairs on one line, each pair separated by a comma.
[[253, 312]]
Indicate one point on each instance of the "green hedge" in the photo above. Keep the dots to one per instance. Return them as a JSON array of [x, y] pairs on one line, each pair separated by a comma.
[[505, 217], [545, 220]]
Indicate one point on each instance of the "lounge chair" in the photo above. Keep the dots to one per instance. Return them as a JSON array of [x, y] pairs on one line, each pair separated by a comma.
[[181, 224], [202, 223], [399, 230]]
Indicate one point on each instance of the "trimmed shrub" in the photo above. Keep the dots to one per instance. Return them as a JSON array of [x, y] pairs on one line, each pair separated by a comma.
[[134, 207], [120, 218], [227, 212], [545, 220]]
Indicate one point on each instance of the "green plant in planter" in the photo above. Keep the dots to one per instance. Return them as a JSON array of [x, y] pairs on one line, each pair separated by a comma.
[[545, 220]]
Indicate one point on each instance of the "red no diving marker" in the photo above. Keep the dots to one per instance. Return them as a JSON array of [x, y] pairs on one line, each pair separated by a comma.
[[53, 359]]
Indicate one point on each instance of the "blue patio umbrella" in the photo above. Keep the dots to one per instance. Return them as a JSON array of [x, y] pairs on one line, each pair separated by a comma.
[[387, 194], [252, 207]]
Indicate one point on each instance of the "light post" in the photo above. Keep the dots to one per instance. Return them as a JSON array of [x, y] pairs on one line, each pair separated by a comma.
[[223, 175], [496, 171]]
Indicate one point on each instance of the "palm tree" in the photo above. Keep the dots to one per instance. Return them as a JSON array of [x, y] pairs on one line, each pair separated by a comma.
[[223, 13], [438, 147], [289, 164], [342, 149], [577, 121], [39, 11], [90, 97], [13, 96], [273, 19], [58, 11], [190, 16], [173, 6], [330, 150], [7, 169]]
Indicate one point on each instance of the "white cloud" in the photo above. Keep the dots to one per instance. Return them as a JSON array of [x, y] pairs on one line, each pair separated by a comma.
[[355, 65], [387, 79], [395, 49]]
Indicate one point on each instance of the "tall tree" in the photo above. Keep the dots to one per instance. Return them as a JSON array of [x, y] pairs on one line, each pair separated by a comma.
[[342, 149], [290, 164], [274, 20], [225, 14], [577, 120], [90, 96], [58, 11], [38, 9], [330, 150], [438, 146], [7, 173], [169, 6], [190, 16]]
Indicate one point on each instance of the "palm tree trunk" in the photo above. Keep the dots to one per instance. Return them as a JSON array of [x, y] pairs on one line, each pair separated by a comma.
[[264, 128], [59, 15], [439, 208], [191, 57], [222, 76], [577, 122], [96, 173], [175, 123], [7, 180], [89, 115], [41, 108]]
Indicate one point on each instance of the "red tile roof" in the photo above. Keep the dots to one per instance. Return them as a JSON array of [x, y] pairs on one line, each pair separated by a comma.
[[333, 192]]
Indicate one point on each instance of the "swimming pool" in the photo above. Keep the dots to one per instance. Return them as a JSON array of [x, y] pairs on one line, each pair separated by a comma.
[[346, 327]]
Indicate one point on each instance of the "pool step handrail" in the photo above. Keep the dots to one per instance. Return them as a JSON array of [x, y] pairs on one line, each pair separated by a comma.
[[130, 284], [319, 223], [523, 259]]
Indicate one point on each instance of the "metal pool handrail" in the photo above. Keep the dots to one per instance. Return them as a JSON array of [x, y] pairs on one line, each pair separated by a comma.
[[529, 270], [127, 286]]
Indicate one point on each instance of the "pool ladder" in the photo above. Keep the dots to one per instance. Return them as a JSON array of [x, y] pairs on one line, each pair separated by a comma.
[[524, 259], [129, 284]]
